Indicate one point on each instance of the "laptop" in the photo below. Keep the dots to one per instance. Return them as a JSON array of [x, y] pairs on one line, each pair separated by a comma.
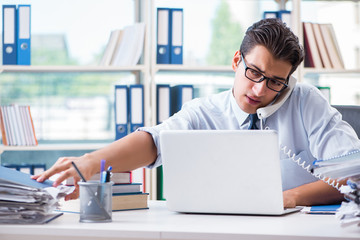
[[222, 171]]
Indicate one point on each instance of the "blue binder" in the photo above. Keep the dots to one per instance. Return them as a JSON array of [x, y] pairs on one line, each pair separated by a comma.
[[270, 14], [136, 101], [163, 36], [163, 102], [9, 34], [176, 20], [285, 16], [121, 111], [23, 35], [180, 94]]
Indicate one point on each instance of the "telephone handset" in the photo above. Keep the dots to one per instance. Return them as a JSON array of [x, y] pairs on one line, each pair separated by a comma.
[[280, 100], [269, 110]]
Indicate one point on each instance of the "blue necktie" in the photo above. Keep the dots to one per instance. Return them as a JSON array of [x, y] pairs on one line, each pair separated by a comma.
[[253, 120]]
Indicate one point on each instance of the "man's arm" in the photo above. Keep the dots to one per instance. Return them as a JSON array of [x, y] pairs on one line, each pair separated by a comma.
[[128, 153], [315, 193]]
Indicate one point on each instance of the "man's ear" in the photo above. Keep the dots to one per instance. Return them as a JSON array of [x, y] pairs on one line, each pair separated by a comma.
[[236, 60]]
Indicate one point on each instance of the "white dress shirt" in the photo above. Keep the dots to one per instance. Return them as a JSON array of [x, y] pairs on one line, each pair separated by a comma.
[[306, 124]]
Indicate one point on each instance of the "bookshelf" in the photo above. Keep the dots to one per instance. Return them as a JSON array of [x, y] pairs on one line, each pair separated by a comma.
[[66, 69], [148, 72], [53, 147], [343, 15]]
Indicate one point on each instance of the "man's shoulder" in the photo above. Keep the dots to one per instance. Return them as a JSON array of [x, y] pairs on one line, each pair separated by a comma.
[[302, 89], [214, 98], [305, 94], [304, 86], [211, 102]]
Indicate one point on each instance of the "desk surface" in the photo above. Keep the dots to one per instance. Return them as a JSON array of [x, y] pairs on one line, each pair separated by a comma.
[[159, 223]]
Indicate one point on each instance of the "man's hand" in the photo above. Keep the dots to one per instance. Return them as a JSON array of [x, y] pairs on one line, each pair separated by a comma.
[[64, 167], [315, 193]]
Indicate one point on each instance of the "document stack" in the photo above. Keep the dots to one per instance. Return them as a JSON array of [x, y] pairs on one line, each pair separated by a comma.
[[26, 201], [342, 167]]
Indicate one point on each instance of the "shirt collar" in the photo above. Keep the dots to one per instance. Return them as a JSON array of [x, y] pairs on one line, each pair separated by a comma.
[[240, 115]]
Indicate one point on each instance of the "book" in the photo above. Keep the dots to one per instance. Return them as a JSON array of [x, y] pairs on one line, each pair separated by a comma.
[[332, 46], [120, 202], [127, 188], [117, 178], [130, 201], [321, 209], [17, 127], [321, 46], [114, 40], [312, 55], [129, 48]]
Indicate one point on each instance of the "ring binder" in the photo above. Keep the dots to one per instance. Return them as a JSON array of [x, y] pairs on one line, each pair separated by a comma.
[[121, 111], [9, 34], [23, 35]]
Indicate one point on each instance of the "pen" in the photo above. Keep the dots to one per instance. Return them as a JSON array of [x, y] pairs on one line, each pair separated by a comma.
[[78, 171], [108, 174], [102, 169]]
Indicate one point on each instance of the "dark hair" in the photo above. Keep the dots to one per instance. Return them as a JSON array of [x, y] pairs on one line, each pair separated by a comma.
[[273, 34]]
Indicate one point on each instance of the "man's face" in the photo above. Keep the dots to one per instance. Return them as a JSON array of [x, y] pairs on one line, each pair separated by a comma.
[[251, 95]]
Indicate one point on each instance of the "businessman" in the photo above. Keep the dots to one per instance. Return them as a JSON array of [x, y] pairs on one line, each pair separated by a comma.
[[306, 123]]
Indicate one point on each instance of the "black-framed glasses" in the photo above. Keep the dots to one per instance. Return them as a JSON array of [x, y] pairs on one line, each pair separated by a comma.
[[258, 77]]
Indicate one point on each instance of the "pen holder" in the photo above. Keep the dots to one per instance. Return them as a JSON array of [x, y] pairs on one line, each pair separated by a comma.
[[95, 201]]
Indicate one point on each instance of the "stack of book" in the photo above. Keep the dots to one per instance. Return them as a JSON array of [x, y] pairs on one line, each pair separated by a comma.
[[321, 46], [26, 201], [342, 167], [17, 127], [127, 195], [125, 46]]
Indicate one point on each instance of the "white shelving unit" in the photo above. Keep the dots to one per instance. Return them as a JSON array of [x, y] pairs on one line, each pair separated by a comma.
[[146, 73], [65, 69], [52, 147], [319, 72]]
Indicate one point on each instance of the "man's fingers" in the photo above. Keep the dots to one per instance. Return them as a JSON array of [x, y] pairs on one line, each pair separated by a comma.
[[61, 164], [63, 176], [73, 195]]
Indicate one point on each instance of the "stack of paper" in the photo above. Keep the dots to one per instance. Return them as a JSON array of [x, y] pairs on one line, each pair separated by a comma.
[[26, 201], [346, 166], [349, 212]]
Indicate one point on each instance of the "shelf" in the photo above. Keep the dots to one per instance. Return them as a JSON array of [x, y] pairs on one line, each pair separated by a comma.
[[331, 0], [188, 68], [53, 147], [323, 71], [66, 69]]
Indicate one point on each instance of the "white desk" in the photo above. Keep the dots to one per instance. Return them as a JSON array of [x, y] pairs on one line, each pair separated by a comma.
[[159, 223]]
